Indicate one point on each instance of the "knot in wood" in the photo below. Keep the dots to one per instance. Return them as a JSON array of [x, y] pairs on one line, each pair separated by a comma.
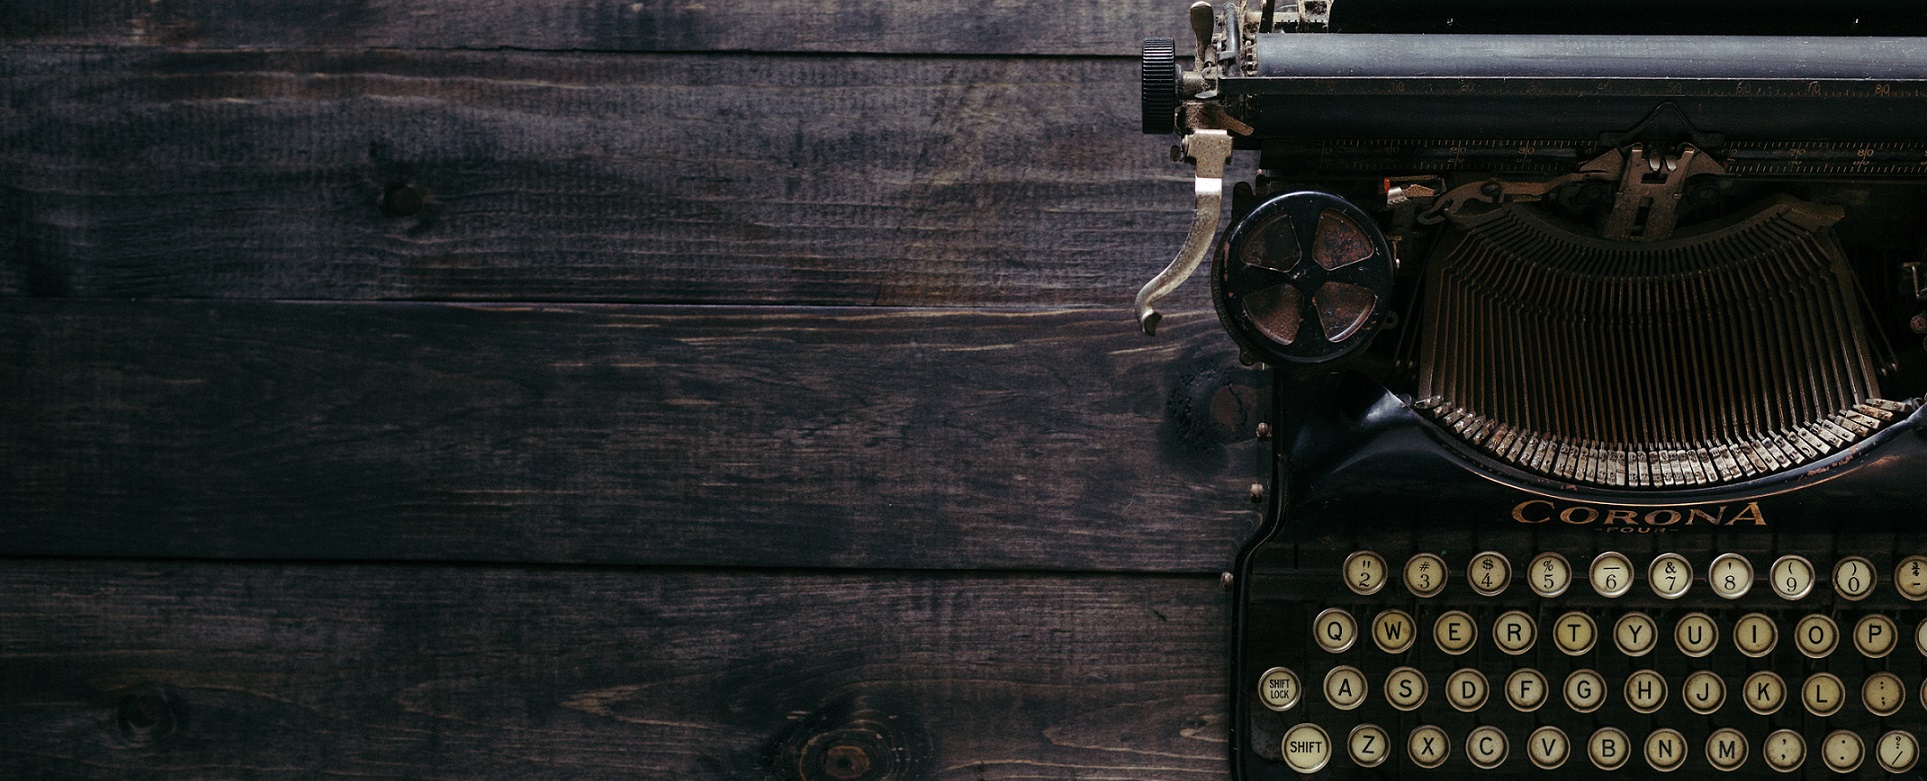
[[146, 716], [846, 763], [851, 740], [859, 752], [1217, 406], [404, 200]]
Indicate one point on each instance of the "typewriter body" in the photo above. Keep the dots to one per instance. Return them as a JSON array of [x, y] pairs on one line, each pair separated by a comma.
[[1597, 363]]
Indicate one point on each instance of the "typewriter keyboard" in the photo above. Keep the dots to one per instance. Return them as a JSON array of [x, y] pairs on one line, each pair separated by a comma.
[[1775, 663]]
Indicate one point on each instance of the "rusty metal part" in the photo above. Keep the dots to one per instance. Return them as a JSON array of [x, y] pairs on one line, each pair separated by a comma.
[[1210, 150], [1490, 191], [1303, 16], [1200, 115], [1204, 28], [1646, 208]]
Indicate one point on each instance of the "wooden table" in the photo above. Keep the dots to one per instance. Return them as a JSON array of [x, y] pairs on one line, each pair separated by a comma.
[[584, 389]]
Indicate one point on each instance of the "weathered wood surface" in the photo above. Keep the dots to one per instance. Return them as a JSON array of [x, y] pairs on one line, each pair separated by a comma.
[[339, 281], [665, 179], [129, 670], [613, 433], [1082, 28]]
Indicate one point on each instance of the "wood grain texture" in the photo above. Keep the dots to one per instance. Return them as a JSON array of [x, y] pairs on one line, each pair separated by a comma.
[[142, 671], [1083, 28], [647, 178], [635, 434]]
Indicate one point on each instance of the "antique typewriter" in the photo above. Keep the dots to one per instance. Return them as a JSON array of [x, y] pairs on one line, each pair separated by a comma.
[[1594, 332]]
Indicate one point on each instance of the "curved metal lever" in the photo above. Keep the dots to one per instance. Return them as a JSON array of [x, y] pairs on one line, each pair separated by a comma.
[[1210, 149]]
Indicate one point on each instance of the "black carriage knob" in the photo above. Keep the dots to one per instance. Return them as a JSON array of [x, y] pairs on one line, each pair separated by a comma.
[[1158, 77]]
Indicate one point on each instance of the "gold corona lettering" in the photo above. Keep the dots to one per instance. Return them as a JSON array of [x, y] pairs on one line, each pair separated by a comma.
[[1592, 514], [1519, 511], [1752, 513], [1696, 514], [1543, 510]]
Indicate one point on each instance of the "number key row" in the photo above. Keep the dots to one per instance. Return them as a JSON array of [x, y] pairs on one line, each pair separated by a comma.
[[1611, 574]]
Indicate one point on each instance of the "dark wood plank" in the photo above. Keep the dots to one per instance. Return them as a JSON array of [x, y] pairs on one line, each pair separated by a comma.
[[601, 25], [637, 434], [136, 671], [664, 179]]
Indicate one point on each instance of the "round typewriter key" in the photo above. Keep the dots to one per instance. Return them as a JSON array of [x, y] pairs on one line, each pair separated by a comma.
[[1910, 578], [1764, 692], [1455, 632], [1784, 750], [1670, 575], [1853, 578], [1278, 688], [1368, 745], [1405, 688], [1394, 631], [1816, 635], [1489, 573], [1425, 575], [1365, 572], [1696, 634], [1726, 749], [1645, 691], [1466, 689], [1514, 632], [1897, 751], [1842, 751], [1703, 692], [1875, 636], [1549, 575], [1548, 747], [1585, 691], [1608, 748], [1920, 636], [1755, 634], [1665, 750], [1611, 574], [1574, 633], [1486, 747], [1823, 694], [1731, 576], [1334, 630], [1306, 748], [1883, 694], [1344, 687], [1791, 577], [1635, 634], [1427, 746], [1526, 689]]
